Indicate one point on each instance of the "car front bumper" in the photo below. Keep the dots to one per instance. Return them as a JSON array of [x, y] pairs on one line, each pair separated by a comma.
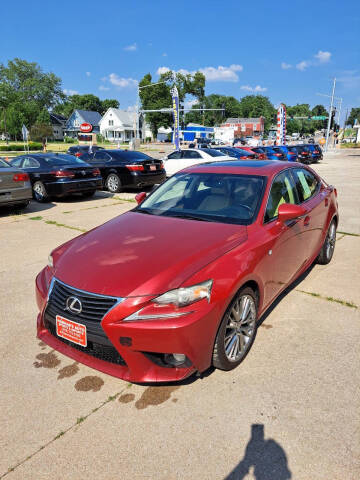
[[140, 344], [67, 187]]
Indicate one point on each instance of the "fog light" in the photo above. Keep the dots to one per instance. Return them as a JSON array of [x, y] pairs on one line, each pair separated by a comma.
[[179, 357]]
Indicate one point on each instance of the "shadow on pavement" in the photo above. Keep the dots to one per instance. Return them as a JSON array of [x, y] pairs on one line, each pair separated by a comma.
[[33, 207], [266, 458]]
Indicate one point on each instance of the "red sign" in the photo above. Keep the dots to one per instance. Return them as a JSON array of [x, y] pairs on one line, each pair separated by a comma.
[[73, 331], [86, 127]]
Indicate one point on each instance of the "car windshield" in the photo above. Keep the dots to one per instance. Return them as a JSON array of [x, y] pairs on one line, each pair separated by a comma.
[[212, 197], [62, 159], [214, 153], [3, 164]]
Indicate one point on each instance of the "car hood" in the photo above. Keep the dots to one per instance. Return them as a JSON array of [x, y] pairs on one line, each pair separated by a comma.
[[137, 254]]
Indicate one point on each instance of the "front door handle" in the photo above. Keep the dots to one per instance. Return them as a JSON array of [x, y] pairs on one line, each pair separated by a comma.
[[306, 221]]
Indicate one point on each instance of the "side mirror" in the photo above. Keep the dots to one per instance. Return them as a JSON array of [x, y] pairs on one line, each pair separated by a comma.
[[140, 197], [289, 211]]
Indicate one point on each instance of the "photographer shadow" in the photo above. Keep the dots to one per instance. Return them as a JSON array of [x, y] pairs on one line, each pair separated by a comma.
[[266, 458]]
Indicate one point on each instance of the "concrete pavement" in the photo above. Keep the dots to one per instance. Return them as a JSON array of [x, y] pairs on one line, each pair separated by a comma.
[[292, 408]]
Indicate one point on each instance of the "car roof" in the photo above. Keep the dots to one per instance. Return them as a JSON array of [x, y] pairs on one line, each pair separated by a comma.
[[247, 167]]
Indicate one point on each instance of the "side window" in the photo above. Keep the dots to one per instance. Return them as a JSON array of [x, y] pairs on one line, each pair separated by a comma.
[[191, 154], [101, 155], [306, 184], [282, 191], [175, 155], [17, 162], [30, 163]]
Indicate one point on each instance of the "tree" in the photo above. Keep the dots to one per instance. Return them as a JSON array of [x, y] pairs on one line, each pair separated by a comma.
[[25, 90], [319, 110], [254, 106], [159, 96], [40, 132], [354, 115], [43, 117], [109, 103], [211, 118]]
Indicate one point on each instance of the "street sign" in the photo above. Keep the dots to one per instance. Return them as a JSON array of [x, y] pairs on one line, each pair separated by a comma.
[[319, 117]]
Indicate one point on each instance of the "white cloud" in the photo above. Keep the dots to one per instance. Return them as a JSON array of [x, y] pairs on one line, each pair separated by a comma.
[[256, 89], [68, 91], [190, 103], [161, 70], [122, 82], [212, 74], [131, 48], [323, 57], [103, 88], [88, 74], [131, 108], [164, 54], [286, 66], [302, 65]]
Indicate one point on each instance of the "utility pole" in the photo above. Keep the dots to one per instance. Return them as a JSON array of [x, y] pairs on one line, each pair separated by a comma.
[[329, 119], [138, 104]]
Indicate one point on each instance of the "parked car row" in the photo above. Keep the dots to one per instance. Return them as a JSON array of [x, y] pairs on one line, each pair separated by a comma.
[[303, 153], [58, 175]]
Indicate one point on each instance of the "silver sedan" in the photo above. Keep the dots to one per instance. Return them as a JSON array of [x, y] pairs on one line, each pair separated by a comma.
[[15, 188]]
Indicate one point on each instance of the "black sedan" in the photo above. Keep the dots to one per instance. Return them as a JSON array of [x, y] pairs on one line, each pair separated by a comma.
[[53, 174], [238, 153], [124, 168]]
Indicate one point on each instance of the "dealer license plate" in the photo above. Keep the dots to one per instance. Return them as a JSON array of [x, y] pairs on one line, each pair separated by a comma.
[[72, 331], [152, 167]]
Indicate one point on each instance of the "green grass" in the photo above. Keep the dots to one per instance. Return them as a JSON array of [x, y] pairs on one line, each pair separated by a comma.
[[53, 222], [36, 218], [132, 200], [330, 299]]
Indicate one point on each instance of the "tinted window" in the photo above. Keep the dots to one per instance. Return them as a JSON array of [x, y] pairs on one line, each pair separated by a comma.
[[129, 155], [174, 155], [282, 191], [214, 197], [214, 153], [306, 183], [16, 162], [30, 163], [61, 159], [102, 155], [191, 154], [3, 164]]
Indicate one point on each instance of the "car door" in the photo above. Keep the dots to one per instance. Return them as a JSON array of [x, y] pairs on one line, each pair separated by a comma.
[[315, 200], [101, 160], [285, 252]]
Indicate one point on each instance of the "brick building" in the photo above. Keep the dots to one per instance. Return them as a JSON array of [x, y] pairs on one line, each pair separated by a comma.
[[245, 126]]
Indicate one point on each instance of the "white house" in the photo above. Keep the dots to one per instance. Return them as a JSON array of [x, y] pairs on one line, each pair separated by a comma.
[[118, 125]]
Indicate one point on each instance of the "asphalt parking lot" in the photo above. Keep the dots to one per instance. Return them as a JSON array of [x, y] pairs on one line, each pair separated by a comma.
[[291, 410]]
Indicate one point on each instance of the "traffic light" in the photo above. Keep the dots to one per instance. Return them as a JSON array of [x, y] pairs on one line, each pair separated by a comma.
[[223, 110], [275, 118], [332, 123]]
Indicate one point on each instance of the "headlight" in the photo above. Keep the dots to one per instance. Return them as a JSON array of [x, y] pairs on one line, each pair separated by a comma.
[[186, 296], [180, 297], [50, 261]]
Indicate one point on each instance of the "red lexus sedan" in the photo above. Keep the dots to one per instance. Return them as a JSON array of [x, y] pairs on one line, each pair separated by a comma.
[[180, 282]]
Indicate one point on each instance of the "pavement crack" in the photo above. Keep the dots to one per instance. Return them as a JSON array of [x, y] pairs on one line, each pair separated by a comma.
[[79, 420], [329, 299], [349, 234], [57, 224]]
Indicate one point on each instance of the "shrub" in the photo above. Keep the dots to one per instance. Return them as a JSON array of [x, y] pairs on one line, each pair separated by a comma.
[[70, 140], [18, 147]]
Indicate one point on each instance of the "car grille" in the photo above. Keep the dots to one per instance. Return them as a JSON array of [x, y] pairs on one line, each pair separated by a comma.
[[106, 353], [94, 308]]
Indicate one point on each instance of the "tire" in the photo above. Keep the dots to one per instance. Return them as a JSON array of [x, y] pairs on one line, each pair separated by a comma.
[[40, 193], [232, 344], [113, 183], [327, 250], [88, 194]]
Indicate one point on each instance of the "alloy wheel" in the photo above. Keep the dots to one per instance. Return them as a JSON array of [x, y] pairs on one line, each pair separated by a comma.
[[113, 183], [39, 191], [240, 328], [330, 241]]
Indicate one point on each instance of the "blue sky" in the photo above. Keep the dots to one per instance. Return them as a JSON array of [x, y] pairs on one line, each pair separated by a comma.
[[287, 50]]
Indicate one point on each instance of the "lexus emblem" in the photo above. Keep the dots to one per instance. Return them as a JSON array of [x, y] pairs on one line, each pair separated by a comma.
[[74, 305], [83, 173]]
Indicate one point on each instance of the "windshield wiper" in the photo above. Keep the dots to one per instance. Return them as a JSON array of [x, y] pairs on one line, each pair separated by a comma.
[[189, 217], [145, 210]]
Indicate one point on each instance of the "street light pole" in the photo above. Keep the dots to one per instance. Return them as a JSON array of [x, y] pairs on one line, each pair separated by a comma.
[[329, 119]]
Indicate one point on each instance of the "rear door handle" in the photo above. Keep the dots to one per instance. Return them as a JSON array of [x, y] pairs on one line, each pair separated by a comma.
[[306, 221]]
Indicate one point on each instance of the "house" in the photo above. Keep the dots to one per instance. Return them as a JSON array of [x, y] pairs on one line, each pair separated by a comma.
[[245, 126], [119, 125], [72, 127], [58, 125]]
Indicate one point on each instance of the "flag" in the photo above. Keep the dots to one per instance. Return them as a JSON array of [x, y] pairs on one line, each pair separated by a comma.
[[175, 103], [25, 133]]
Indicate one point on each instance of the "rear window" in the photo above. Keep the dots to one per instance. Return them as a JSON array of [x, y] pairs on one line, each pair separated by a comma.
[[214, 153], [128, 155], [61, 159], [3, 164]]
